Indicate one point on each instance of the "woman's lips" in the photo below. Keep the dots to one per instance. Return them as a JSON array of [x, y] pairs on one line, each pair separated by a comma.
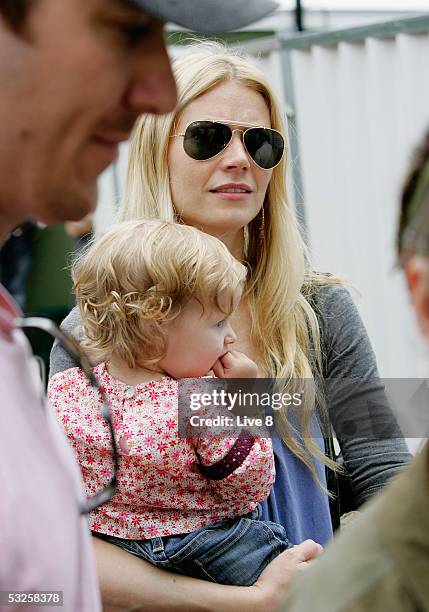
[[232, 191], [227, 195]]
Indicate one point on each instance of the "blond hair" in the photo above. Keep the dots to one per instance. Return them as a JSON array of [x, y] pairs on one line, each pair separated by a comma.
[[141, 274], [284, 326]]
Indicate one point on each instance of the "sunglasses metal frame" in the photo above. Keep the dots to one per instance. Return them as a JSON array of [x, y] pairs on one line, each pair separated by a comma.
[[74, 349], [248, 126]]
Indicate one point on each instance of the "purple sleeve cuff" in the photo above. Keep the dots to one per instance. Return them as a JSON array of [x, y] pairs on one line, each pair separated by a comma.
[[232, 460]]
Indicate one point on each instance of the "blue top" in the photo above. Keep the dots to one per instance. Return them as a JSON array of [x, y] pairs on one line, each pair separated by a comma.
[[296, 500]]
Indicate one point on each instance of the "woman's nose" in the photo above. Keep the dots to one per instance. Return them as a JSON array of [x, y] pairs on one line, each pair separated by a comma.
[[235, 154]]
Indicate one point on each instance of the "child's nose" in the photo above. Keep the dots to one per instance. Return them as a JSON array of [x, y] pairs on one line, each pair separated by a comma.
[[231, 337]]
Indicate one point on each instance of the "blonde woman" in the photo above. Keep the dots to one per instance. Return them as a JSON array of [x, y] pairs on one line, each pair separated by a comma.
[[219, 163]]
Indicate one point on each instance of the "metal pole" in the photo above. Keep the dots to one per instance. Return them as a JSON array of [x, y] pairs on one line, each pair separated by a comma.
[[298, 16]]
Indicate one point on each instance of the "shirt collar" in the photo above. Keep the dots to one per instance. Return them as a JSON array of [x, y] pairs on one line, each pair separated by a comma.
[[107, 380], [9, 311]]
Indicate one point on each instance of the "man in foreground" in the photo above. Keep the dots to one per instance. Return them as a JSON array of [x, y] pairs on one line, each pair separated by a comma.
[[381, 563]]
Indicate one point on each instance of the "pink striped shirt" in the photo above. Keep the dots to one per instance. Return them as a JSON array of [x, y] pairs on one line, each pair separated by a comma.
[[44, 541]]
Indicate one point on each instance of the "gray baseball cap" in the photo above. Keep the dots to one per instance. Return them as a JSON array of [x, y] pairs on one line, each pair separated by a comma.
[[208, 16]]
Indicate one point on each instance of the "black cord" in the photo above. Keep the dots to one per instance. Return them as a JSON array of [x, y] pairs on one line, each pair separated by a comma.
[[299, 16]]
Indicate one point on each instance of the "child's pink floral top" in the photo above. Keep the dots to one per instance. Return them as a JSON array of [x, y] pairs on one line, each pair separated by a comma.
[[161, 488]]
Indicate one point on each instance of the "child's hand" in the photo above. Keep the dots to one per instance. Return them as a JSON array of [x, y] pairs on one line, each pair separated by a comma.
[[235, 365]]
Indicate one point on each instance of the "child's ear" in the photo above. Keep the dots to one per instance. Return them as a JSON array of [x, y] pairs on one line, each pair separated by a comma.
[[417, 274]]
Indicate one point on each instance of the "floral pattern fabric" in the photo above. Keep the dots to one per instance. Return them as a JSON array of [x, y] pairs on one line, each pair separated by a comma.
[[160, 490]]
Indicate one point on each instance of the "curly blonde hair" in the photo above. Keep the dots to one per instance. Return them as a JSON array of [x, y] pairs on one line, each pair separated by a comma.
[[284, 325], [141, 274]]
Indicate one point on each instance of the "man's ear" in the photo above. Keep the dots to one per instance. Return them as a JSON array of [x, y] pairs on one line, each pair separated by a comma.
[[417, 274]]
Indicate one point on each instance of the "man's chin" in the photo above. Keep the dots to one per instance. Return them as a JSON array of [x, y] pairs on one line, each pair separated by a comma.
[[69, 206]]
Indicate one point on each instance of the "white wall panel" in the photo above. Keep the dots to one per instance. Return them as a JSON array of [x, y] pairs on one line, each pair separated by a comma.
[[361, 108]]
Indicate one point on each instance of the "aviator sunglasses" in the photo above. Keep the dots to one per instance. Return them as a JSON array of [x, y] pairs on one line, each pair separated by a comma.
[[204, 140]]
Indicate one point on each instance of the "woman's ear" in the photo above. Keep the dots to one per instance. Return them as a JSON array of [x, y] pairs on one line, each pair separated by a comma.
[[417, 274]]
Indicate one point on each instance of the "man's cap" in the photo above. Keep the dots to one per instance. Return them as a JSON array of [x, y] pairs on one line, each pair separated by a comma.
[[208, 16]]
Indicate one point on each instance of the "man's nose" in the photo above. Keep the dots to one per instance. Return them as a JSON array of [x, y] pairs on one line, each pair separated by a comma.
[[152, 88]]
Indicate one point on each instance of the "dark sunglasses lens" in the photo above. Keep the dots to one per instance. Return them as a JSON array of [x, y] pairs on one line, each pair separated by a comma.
[[265, 146], [205, 139]]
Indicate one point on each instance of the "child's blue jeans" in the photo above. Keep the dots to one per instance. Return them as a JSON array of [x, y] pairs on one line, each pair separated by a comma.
[[233, 551]]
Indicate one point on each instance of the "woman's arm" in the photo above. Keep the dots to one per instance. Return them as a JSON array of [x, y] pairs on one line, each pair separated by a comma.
[[130, 584], [59, 359], [372, 445]]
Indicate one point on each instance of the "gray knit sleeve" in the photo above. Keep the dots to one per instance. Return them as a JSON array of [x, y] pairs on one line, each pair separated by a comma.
[[371, 442], [60, 360]]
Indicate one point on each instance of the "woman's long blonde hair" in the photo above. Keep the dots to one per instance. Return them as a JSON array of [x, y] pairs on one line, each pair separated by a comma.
[[284, 326]]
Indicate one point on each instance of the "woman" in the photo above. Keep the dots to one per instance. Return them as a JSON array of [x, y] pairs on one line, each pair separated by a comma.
[[219, 164]]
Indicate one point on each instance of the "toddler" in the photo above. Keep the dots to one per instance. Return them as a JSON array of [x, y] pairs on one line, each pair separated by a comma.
[[156, 299]]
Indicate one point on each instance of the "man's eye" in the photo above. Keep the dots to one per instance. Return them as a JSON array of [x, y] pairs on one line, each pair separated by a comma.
[[133, 34], [220, 323]]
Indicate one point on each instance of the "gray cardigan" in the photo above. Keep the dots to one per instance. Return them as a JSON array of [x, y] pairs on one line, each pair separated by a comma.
[[356, 400]]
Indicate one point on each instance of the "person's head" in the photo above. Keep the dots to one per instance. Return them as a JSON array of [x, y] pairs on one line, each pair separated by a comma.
[[213, 84], [75, 76], [413, 234], [78, 74], [158, 295]]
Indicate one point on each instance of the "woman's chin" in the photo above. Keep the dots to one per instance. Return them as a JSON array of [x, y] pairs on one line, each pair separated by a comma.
[[229, 226], [218, 222]]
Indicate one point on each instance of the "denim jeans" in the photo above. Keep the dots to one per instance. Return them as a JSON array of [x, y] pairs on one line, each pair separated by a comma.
[[234, 551]]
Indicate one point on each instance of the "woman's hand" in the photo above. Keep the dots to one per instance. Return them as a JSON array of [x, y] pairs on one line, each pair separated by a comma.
[[277, 577], [235, 365]]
